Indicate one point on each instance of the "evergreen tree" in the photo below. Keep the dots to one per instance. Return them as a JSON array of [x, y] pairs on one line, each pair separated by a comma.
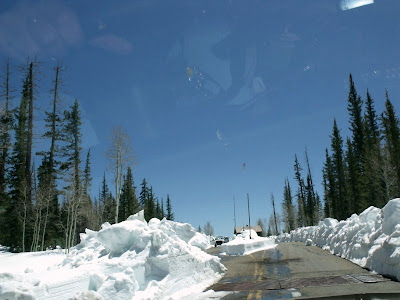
[[357, 149], [129, 204], [354, 107], [72, 150], [288, 208], [158, 209], [170, 215], [5, 128], [330, 191], [311, 201], [162, 208], [352, 179], [31, 97], [340, 204], [107, 202], [150, 207], [123, 203], [16, 213], [318, 210], [300, 195], [391, 135], [373, 185], [86, 217], [144, 194], [47, 196], [6, 121]]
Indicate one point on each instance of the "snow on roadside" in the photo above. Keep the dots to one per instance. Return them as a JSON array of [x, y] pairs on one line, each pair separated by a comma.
[[371, 240], [243, 245], [159, 259]]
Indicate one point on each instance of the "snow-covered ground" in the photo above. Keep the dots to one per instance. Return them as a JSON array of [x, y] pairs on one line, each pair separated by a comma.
[[155, 260], [371, 240], [243, 245], [165, 259]]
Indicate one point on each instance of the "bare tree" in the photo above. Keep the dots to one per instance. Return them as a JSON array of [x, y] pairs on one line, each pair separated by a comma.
[[73, 206], [208, 229], [120, 156]]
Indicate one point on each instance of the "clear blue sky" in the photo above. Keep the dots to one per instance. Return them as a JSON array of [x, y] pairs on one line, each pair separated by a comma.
[[205, 86]]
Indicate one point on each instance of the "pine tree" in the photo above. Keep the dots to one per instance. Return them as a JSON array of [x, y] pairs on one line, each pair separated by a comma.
[[357, 148], [144, 194], [340, 202], [170, 214], [72, 137], [31, 77], [15, 215], [300, 195], [47, 194], [330, 191], [352, 178], [6, 121], [158, 209], [318, 210], [5, 127], [391, 135], [107, 202], [86, 217], [129, 204], [150, 207], [123, 203], [162, 208], [288, 208], [373, 185], [311, 201]]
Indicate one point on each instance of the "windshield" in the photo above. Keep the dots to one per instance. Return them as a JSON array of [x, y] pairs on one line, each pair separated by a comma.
[[216, 97]]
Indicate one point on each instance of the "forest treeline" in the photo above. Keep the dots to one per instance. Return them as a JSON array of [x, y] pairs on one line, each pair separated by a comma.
[[49, 204], [359, 171]]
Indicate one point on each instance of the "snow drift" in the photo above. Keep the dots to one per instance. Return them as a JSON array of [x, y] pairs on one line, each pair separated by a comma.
[[371, 240], [243, 245], [155, 260]]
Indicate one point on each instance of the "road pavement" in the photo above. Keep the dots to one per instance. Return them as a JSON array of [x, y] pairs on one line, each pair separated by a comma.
[[291, 269]]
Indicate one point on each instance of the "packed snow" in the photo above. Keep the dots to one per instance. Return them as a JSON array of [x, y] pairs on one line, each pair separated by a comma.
[[243, 245], [131, 259], [371, 240]]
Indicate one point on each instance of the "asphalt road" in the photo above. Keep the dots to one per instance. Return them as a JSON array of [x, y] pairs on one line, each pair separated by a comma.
[[292, 269]]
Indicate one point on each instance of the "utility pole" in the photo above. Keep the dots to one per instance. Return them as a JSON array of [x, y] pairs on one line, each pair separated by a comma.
[[234, 212], [248, 209]]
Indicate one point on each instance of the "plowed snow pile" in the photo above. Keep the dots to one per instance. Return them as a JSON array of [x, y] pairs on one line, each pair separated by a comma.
[[243, 245], [371, 240], [131, 259]]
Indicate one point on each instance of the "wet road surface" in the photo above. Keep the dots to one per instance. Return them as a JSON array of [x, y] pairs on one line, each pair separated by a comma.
[[292, 269]]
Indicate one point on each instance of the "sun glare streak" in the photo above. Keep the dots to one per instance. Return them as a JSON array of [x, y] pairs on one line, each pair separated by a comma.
[[350, 4]]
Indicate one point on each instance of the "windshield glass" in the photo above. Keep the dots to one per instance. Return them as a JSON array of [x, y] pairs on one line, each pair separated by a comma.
[[216, 97]]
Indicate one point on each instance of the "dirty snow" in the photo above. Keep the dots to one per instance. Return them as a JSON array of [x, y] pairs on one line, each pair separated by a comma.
[[371, 239], [243, 245], [159, 259]]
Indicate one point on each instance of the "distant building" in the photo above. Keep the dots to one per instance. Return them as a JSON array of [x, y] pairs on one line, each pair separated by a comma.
[[239, 229]]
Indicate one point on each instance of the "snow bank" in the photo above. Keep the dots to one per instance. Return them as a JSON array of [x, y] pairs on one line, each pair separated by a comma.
[[371, 240], [243, 245], [155, 260]]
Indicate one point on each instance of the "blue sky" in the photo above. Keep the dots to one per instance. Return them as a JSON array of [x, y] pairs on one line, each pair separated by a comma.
[[205, 86]]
